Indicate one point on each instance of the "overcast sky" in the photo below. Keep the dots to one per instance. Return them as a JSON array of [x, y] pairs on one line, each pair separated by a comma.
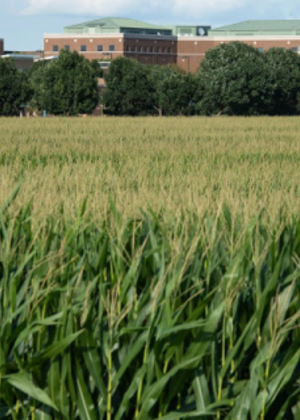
[[23, 22]]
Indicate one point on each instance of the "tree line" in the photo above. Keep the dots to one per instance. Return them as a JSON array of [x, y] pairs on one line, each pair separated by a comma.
[[234, 79]]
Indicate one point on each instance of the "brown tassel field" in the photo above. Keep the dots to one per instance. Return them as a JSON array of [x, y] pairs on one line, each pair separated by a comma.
[[178, 164]]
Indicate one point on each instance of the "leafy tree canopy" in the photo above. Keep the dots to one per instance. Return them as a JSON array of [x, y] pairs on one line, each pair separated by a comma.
[[234, 80], [14, 88], [128, 88], [97, 69], [284, 79], [178, 93], [67, 85]]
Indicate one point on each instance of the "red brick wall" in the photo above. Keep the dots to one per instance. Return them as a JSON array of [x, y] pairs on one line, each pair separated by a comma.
[[191, 52], [188, 53], [91, 44], [151, 51], [139, 48]]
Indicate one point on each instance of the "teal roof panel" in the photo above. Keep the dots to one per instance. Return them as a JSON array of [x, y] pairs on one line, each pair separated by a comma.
[[265, 26], [116, 23]]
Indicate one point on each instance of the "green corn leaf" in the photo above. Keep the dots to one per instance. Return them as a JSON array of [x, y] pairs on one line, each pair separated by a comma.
[[4, 412], [130, 392], [92, 361], [201, 390], [163, 333], [23, 382], [85, 403], [55, 349], [191, 415], [42, 415], [134, 350], [154, 392]]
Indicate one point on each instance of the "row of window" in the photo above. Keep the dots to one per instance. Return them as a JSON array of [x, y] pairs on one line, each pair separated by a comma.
[[83, 48], [295, 49], [148, 49], [133, 49]]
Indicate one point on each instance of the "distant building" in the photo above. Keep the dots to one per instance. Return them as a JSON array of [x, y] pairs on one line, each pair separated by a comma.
[[108, 38], [255, 28], [1, 46], [23, 62], [117, 26], [184, 45]]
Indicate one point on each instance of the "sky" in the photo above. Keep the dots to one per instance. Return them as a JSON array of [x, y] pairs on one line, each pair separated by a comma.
[[23, 22]]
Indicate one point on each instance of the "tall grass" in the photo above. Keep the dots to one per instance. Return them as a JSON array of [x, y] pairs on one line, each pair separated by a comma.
[[132, 319]]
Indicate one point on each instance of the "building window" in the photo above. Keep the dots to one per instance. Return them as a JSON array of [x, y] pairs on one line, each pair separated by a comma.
[[140, 49], [261, 49], [152, 49], [133, 49], [169, 50], [99, 48], [127, 49], [163, 49], [146, 49], [295, 49], [158, 49], [55, 48], [104, 64], [67, 47], [111, 48], [83, 48]]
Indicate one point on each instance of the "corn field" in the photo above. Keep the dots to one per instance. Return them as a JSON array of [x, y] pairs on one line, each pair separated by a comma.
[[181, 303]]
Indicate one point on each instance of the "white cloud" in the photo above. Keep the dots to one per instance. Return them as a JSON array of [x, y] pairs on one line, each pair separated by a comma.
[[161, 9], [119, 7]]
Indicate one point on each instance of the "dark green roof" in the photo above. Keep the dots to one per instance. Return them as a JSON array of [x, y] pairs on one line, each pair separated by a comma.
[[261, 26], [112, 22]]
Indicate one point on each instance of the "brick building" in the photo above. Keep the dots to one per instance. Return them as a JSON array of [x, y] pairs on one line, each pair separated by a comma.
[[185, 46], [23, 62], [113, 37], [147, 49], [1, 46]]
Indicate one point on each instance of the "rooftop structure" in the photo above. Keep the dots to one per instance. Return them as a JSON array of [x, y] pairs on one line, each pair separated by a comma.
[[112, 25], [189, 30], [23, 62], [259, 28]]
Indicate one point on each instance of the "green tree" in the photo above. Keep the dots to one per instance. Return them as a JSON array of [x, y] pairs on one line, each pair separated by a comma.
[[36, 77], [14, 88], [178, 94], [284, 79], [66, 86], [129, 90], [234, 81], [97, 69], [158, 77]]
